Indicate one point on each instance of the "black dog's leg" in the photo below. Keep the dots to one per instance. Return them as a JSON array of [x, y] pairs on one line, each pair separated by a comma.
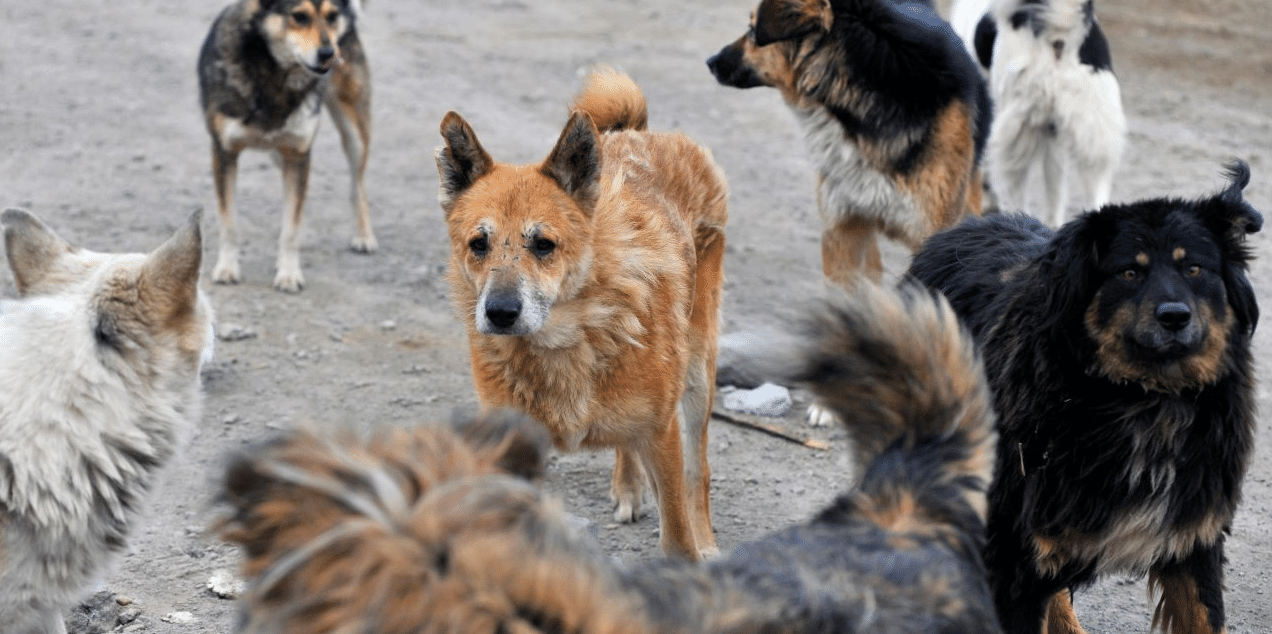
[[1192, 592]]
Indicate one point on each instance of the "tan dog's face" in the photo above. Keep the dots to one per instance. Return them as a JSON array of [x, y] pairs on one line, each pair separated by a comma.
[[520, 234], [306, 33], [781, 32]]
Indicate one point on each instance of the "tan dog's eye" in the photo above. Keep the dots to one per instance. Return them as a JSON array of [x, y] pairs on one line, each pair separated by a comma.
[[301, 19], [543, 247], [332, 17], [480, 246]]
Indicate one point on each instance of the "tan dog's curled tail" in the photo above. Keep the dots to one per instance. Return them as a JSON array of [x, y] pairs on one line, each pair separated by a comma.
[[903, 374], [613, 101]]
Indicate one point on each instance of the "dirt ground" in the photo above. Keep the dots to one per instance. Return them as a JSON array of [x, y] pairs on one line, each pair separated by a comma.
[[101, 136]]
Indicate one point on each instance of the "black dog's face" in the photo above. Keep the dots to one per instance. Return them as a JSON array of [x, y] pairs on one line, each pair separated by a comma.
[[1160, 315]]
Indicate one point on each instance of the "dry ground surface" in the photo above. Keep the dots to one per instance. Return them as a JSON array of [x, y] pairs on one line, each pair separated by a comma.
[[101, 136]]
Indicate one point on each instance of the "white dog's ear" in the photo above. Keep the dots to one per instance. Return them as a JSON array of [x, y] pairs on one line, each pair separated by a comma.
[[169, 280], [575, 162], [32, 248], [461, 161]]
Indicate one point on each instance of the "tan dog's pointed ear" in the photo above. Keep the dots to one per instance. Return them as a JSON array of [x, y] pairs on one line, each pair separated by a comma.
[[778, 20], [461, 161], [169, 280], [575, 162], [32, 248]]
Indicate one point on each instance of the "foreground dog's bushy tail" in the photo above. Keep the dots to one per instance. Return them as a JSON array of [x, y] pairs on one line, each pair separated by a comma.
[[904, 376], [613, 101]]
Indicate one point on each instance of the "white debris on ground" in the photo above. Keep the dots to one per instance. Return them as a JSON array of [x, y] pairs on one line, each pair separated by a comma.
[[766, 400]]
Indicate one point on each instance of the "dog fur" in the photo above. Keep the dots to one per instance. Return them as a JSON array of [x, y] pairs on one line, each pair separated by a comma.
[[266, 69], [1058, 105], [99, 380], [590, 286], [894, 112], [437, 529], [1118, 349]]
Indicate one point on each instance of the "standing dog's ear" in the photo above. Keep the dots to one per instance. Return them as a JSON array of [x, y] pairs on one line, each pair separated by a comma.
[[32, 248], [461, 161], [575, 162], [778, 20]]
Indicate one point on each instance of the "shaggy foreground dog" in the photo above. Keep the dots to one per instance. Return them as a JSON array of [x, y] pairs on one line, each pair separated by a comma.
[[437, 529], [590, 286], [1118, 350], [99, 381]]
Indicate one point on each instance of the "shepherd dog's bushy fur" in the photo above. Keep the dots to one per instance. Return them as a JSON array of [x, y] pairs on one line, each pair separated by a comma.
[[1118, 349], [895, 115], [99, 380], [437, 529], [590, 286]]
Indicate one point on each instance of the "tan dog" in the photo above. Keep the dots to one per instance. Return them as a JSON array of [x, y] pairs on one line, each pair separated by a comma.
[[442, 530], [99, 380], [266, 69], [894, 112], [590, 285]]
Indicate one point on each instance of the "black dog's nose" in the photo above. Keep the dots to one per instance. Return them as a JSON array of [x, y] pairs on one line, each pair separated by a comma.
[[712, 63], [502, 310], [1173, 315]]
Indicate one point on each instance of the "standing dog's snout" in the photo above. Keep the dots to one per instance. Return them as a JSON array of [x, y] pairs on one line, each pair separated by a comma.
[[1173, 316], [503, 309], [325, 54]]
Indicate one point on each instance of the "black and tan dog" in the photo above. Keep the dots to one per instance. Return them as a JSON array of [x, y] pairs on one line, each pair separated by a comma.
[[438, 530], [894, 111], [266, 69], [1118, 349]]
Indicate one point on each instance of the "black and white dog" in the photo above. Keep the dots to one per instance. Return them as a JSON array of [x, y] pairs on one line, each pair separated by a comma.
[[1057, 104]]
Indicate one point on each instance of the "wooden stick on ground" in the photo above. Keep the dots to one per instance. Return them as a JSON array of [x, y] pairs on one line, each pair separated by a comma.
[[811, 443]]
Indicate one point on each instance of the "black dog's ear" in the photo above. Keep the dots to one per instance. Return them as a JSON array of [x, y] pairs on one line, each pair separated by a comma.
[[1071, 262], [1230, 218], [1236, 217], [778, 20]]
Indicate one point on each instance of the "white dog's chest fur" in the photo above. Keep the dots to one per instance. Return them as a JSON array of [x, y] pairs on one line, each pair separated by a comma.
[[849, 185]]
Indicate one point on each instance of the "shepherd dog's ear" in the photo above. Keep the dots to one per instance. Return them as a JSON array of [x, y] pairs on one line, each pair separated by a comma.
[[779, 20]]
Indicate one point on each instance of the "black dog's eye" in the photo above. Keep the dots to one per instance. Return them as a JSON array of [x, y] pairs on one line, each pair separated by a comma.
[[480, 246], [1130, 275], [542, 247], [332, 17], [301, 19], [1194, 271]]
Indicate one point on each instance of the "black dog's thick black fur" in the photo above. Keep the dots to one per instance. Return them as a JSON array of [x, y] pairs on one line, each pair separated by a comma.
[[1118, 351]]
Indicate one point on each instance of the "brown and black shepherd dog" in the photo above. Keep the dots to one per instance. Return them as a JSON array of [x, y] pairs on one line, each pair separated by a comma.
[[894, 111], [443, 529], [1119, 352], [590, 286], [266, 70]]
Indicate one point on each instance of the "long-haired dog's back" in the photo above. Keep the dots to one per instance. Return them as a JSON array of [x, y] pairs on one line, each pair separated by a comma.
[[442, 529]]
